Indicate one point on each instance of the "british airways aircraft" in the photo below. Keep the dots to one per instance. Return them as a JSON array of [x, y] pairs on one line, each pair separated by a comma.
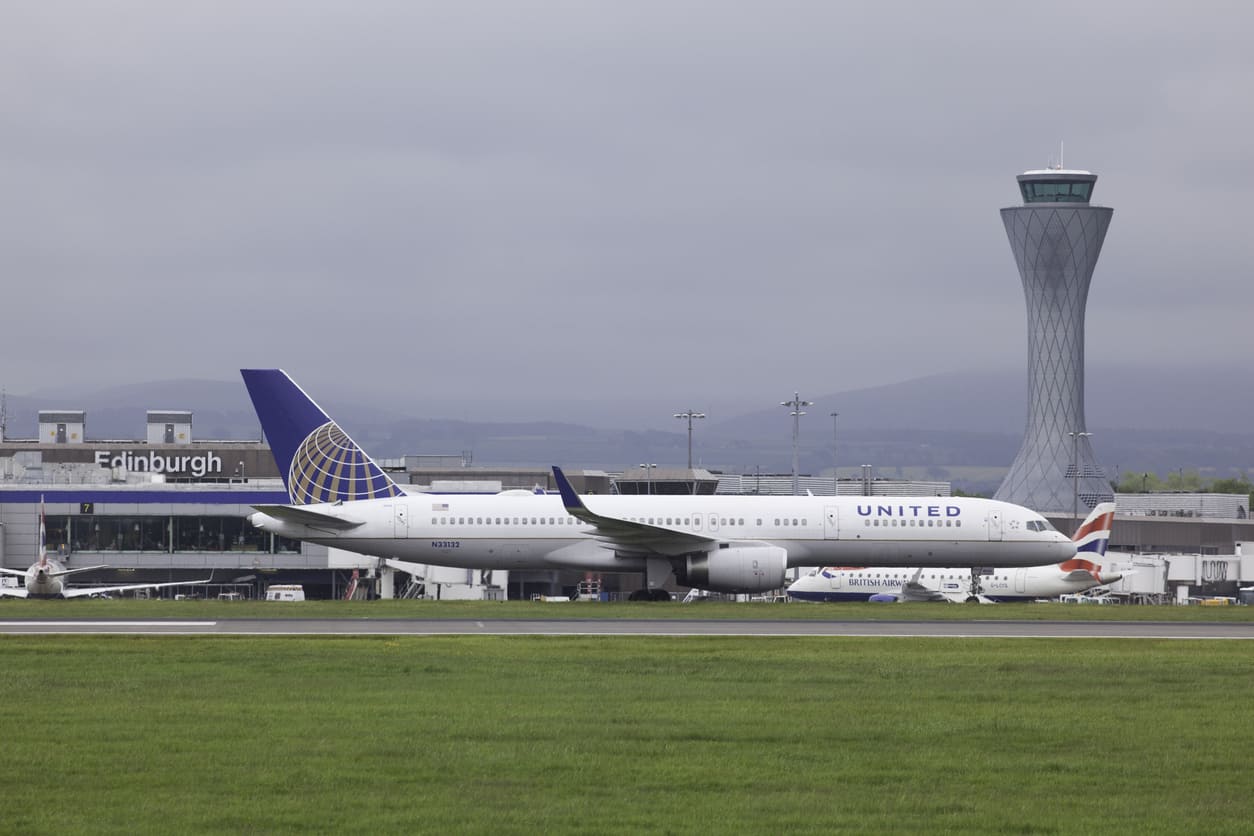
[[46, 577], [340, 498], [883, 583]]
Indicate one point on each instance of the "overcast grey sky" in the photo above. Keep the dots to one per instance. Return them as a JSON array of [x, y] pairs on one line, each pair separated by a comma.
[[685, 200]]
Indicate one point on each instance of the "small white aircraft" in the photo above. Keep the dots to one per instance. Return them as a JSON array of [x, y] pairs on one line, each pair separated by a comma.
[[45, 577], [341, 498], [884, 583]]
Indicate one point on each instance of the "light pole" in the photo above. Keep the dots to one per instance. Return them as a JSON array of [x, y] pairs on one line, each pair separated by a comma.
[[648, 477], [835, 475], [690, 415], [1075, 479], [796, 403]]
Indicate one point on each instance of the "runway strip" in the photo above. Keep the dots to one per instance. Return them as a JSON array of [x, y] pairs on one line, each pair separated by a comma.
[[611, 627]]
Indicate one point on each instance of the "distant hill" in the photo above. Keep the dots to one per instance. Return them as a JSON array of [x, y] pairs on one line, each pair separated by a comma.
[[1213, 400], [944, 427]]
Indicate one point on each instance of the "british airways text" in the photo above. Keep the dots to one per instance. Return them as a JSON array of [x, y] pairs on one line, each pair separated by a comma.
[[891, 583]]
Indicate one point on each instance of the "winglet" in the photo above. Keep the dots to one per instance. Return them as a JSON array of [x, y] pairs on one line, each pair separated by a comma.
[[569, 498]]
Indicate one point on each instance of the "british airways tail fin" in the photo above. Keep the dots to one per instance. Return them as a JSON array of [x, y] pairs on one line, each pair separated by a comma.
[[1093, 535], [317, 459], [1091, 539]]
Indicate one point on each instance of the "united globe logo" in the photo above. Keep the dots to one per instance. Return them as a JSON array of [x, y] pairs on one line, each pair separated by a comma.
[[329, 467]]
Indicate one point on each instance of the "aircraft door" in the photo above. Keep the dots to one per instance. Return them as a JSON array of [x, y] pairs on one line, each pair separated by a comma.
[[831, 523], [1021, 580], [400, 519], [713, 522], [994, 524], [835, 578]]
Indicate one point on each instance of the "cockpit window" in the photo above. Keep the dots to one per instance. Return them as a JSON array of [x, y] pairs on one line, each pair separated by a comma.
[[1039, 525]]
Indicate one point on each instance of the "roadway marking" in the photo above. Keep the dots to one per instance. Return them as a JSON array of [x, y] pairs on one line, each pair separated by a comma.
[[73, 623]]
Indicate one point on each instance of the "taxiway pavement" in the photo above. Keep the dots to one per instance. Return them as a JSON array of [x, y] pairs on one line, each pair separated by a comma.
[[631, 627]]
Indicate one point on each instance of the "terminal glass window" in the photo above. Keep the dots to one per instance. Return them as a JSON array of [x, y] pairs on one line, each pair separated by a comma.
[[283, 545], [105, 533], [57, 534], [217, 534]]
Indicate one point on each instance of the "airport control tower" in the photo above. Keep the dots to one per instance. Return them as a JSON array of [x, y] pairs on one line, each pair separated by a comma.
[[1056, 236]]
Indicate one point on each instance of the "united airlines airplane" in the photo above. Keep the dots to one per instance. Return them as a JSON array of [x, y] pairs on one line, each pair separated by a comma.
[[883, 583], [340, 498]]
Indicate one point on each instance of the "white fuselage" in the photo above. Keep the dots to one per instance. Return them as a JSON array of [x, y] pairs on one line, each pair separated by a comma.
[[1004, 584], [521, 531], [41, 580]]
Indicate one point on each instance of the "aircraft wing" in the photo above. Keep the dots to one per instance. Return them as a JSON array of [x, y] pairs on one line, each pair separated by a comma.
[[307, 516], [913, 591], [627, 536], [83, 591], [916, 592], [12, 592]]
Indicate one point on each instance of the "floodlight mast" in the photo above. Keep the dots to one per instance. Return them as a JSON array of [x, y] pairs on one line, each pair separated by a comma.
[[690, 415], [835, 474], [1075, 478], [796, 403], [648, 476]]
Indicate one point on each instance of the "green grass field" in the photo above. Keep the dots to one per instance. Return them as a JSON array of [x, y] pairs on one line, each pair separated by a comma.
[[612, 735], [127, 608]]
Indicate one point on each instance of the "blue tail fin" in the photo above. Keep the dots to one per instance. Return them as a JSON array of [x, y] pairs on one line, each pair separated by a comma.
[[317, 459]]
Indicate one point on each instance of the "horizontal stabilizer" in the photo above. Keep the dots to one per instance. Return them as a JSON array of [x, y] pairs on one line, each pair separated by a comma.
[[1079, 576], [307, 516]]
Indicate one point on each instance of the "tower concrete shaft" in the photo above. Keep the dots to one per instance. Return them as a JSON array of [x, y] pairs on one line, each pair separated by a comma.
[[1056, 237]]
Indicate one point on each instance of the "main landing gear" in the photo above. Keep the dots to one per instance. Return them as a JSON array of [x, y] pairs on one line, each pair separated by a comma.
[[977, 589]]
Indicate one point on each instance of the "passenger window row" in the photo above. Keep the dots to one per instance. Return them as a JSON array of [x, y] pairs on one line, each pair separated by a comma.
[[912, 523]]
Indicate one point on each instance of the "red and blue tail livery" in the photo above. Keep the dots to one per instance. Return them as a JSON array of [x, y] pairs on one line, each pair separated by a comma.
[[1093, 535], [318, 460]]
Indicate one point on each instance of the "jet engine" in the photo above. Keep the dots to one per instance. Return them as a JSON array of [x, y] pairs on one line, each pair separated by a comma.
[[734, 569]]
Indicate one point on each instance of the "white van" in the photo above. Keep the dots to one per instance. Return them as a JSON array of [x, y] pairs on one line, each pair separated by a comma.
[[285, 592]]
